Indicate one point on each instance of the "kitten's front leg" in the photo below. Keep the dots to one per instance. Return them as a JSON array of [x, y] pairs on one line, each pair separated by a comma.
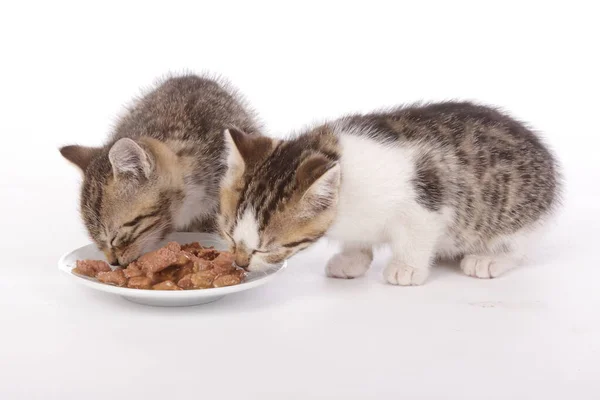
[[412, 252], [351, 262]]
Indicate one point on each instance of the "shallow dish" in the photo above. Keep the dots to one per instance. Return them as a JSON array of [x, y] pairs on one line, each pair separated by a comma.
[[166, 298]]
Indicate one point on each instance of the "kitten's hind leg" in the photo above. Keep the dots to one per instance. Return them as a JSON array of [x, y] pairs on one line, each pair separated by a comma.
[[487, 266], [503, 255], [351, 262]]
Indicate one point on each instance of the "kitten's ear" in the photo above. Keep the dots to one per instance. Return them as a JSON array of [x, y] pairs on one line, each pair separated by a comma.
[[244, 150], [319, 179], [81, 156], [128, 159]]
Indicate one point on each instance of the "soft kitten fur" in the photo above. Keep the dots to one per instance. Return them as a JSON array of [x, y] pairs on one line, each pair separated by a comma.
[[440, 180], [160, 169]]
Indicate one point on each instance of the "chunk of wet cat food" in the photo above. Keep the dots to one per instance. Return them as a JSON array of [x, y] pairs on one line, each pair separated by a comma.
[[167, 274], [208, 254], [162, 258], [90, 267], [203, 279], [132, 271], [116, 277], [186, 282], [198, 264], [234, 278], [140, 282], [193, 247], [203, 265], [187, 269], [173, 246], [166, 285], [224, 262], [225, 259]]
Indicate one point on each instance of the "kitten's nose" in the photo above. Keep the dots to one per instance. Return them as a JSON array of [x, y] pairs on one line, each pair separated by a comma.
[[124, 258], [242, 259], [110, 257]]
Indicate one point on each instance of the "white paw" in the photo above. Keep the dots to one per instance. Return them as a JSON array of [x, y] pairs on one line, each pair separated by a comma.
[[348, 265], [401, 274], [485, 267]]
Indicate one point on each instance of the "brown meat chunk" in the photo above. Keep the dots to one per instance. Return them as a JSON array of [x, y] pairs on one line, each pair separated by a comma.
[[224, 269], [132, 271], [167, 274], [224, 261], [202, 279], [197, 263], [162, 258], [203, 265], [116, 277], [193, 247], [227, 280], [185, 270], [186, 282], [90, 267], [173, 246], [140, 282], [166, 285], [208, 254]]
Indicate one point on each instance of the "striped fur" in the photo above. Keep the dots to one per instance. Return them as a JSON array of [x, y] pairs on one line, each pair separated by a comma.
[[161, 167], [439, 180]]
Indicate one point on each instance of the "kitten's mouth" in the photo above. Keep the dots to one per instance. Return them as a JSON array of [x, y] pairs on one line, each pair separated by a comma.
[[111, 257], [244, 267], [259, 267]]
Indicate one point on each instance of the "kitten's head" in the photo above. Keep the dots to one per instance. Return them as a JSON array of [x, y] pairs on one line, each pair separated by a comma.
[[128, 196], [277, 197]]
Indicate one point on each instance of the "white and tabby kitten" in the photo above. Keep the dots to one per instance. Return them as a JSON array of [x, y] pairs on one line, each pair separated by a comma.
[[440, 180]]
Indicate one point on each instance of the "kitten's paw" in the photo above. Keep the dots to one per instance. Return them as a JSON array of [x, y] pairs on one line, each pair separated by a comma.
[[398, 273], [485, 267], [348, 265]]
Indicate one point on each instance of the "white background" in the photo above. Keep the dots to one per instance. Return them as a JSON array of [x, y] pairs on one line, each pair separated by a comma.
[[65, 71]]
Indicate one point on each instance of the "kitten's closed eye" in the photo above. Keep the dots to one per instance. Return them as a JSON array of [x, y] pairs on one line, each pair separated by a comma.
[[300, 242], [132, 230], [141, 217]]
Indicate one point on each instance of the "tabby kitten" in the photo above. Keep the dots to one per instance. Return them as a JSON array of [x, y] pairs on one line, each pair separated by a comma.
[[441, 180], [160, 169]]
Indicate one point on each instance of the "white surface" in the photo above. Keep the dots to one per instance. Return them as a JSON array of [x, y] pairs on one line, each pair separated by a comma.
[[534, 333], [166, 298]]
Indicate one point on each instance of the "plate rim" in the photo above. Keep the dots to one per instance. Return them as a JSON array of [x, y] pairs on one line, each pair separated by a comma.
[[165, 294]]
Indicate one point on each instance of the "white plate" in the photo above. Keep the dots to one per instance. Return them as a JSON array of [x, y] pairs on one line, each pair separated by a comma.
[[168, 298]]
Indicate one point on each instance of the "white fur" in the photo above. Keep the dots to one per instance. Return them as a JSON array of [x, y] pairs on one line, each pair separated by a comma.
[[350, 263], [234, 159], [399, 273], [377, 205], [505, 253], [246, 231]]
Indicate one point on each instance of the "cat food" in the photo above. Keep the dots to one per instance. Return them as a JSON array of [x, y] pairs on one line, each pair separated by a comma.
[[173, 267], [90, 267], [116, 277]]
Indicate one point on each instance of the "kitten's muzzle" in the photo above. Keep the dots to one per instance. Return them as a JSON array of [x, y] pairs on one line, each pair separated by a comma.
[[111, 257], [125, 256], [242, 259]]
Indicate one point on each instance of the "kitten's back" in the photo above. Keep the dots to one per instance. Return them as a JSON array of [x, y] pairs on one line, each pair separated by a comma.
[[493, 172], [186, 108]]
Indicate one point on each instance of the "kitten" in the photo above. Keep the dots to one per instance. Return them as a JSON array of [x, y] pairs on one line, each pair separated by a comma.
[[160, 169], [440, 180]]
